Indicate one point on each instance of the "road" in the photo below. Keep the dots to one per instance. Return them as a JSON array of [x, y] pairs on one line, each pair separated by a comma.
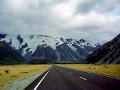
[[58, 78]]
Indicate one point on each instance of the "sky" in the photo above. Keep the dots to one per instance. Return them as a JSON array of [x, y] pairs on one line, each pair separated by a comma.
[[95, 20]]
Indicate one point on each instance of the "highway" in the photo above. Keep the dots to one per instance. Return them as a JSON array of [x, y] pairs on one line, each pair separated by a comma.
[[59, 78]]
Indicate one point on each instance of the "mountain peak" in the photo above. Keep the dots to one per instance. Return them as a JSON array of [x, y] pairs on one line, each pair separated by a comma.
[[27, 46]]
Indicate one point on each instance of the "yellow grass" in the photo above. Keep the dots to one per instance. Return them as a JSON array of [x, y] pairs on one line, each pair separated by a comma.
[[10, 73], [106, 69]]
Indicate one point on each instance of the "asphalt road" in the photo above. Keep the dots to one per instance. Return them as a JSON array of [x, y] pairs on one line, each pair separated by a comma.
[[58, 78]]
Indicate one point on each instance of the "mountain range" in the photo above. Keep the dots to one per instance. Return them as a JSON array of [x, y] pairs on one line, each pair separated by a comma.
[[37, 48], [47, 49]]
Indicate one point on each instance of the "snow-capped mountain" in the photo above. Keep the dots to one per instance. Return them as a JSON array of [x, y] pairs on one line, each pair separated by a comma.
[[48, 47]]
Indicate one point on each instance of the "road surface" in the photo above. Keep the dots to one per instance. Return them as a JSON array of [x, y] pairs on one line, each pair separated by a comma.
[[58, 78]]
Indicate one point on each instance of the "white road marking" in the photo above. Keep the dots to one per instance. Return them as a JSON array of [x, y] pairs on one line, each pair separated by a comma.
[[118, 78], [83, 78], [41, 80], [103, 75], [108, 76], [70, 73]]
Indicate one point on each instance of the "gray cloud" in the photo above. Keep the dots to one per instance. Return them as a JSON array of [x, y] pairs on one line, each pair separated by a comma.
[[96, 20], [100, 6], [87, 5]]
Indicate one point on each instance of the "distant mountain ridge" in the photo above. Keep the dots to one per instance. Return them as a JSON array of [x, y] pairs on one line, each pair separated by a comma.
[[109, 53], [62, 50]]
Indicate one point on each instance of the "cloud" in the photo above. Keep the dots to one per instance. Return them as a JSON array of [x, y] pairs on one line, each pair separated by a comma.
[[99, 6], [97, 20]]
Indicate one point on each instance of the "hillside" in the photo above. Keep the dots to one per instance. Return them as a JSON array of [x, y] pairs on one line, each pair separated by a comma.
[[108, 53], [9, 55]]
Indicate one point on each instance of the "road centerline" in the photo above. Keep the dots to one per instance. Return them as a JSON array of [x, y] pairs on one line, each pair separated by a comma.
[[83, 78], [70, 73]]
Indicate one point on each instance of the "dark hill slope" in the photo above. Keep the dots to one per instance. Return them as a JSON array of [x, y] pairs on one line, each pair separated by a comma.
[[109, 53], [9, 55]]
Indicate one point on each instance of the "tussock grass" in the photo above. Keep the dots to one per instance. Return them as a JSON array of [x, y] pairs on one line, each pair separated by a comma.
[[11, 73], [105, 69]]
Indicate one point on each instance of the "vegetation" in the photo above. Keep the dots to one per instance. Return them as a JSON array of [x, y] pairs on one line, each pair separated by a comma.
[[11, 73], [105, 69]]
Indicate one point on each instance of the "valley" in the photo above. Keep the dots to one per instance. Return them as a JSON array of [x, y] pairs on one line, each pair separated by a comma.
[[59, 44]]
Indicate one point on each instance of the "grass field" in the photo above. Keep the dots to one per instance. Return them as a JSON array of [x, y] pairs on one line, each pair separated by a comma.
[[105, 69], [11, 73]]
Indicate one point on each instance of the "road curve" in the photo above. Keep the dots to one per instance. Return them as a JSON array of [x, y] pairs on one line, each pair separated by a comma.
[[58, 78]]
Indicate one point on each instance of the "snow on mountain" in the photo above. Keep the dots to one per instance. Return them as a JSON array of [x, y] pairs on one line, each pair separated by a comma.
[[29, 43], [32, 41]]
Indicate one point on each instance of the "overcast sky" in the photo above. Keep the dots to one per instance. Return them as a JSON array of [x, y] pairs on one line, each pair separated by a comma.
[[96, 20]]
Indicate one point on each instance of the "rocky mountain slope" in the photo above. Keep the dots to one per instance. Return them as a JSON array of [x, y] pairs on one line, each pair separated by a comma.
[[51, 48], [8, 55], [108, 53]]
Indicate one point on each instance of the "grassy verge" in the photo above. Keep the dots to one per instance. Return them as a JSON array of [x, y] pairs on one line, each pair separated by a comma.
[[12, 74], [105, 69]]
